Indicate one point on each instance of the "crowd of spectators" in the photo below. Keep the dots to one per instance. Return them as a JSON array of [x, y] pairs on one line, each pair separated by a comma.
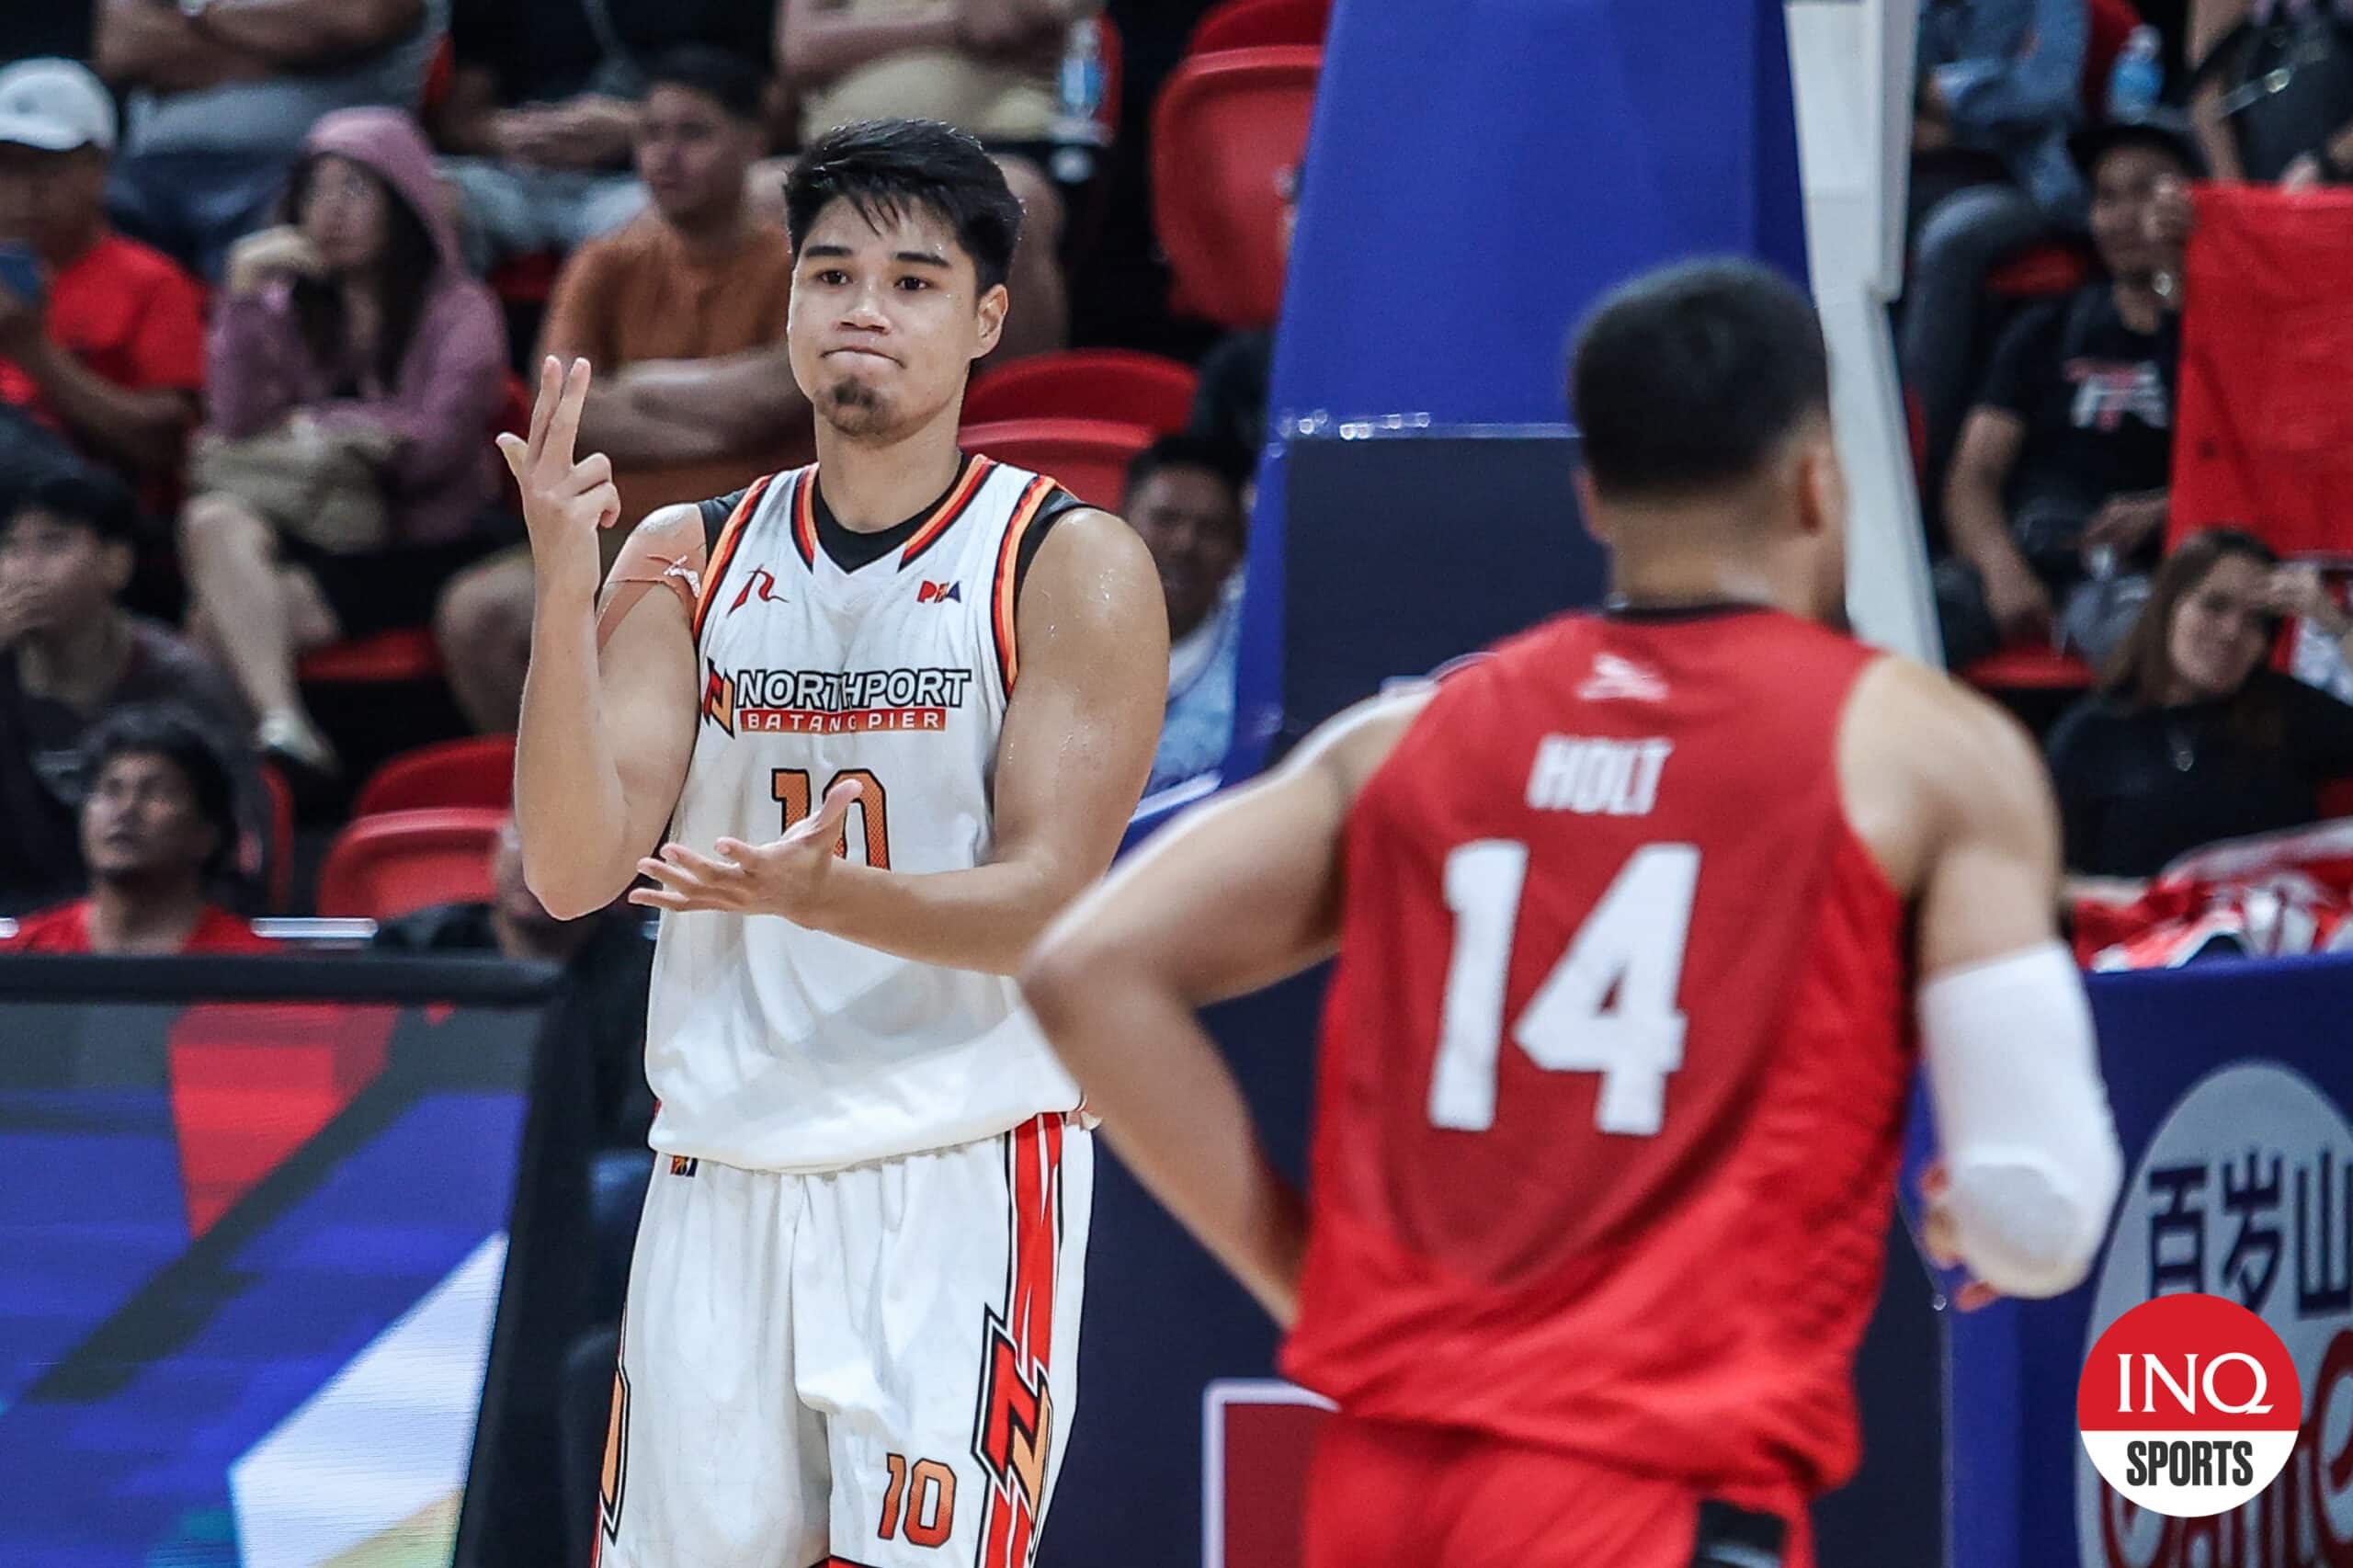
[[269, 272], [2047, 409]]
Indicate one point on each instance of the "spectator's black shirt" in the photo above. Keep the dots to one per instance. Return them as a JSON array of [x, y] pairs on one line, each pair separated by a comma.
[[2138, 787], [2096, 398], [547, 50]]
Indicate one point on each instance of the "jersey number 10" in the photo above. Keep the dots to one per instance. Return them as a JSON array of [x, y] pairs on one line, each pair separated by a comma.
[[1608, 1006], [790, 788]]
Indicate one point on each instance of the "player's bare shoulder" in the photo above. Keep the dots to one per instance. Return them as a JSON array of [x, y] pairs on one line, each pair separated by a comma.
[[1921, 757]]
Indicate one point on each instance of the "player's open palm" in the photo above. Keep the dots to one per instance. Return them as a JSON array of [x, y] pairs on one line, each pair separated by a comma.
[[565, 500], [787, 877]]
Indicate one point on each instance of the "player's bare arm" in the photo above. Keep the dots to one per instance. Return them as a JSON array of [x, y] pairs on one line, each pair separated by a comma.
[[602, 746], [1235, 897], [1079, 734], [1952, 796]]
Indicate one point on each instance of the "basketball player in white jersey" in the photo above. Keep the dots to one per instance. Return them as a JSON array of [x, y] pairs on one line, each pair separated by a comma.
[[853, 1314]]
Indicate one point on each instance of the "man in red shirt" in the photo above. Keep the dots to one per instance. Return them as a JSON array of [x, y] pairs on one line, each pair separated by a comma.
[[110, 347], [157, 826], [1642, 924]]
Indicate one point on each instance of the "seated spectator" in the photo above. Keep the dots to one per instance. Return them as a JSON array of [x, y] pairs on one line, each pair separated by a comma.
[[609, 961], [2000, 85], [987, 67], [356, 369], [110, 347], [222, 96], [1230, 403], [540, 110], [70, 657], [2191, 738], [2056, 505], [682, 314], [157, 827], [2272, 95], [1184, 499]]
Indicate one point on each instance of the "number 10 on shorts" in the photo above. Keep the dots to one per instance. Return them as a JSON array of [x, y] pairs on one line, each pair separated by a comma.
[[921, 1500]]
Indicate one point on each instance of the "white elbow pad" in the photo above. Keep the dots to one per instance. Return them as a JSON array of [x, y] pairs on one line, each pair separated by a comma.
[[2022, 1117]]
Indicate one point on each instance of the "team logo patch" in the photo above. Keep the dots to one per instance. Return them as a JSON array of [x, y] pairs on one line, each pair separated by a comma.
[[2189, 1405], [1621, 680], [682, 1164], [760, 585], [932, 593]]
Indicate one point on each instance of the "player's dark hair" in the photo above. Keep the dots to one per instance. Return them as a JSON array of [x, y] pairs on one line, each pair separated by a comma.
[[169, 731], [1687, 379], [883, 167], [1187, 450], [728, 80]]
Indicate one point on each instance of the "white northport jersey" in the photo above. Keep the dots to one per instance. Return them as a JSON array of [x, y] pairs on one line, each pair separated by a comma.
[[776, 1048]]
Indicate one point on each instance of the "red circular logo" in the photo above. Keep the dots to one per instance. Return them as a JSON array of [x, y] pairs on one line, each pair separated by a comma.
[[2189, 1405]]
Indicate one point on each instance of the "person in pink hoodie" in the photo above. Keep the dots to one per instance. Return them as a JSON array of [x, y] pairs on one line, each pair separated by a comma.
[[355, 314]]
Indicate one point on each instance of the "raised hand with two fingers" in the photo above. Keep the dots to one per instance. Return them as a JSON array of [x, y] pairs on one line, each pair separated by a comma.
[[565, 500]]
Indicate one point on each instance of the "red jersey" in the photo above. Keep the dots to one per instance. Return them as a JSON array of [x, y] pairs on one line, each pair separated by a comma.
[[65, 928], [1616, 1059]]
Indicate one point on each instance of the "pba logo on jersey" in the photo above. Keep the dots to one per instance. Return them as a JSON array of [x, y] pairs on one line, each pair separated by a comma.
[[932, 593], [2189, 1405], [825, 702], [760, 585]]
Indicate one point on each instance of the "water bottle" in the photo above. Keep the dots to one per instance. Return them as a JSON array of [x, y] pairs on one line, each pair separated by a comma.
[[2139, 76], [1079, 94]]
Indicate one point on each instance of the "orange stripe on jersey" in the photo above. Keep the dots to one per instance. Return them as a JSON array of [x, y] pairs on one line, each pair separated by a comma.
[[1001, 594], [948, 511], [1016, 1495], [805, 519], [714, 572]]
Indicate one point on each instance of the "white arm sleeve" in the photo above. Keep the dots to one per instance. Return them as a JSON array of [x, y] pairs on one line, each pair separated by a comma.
[[2022, 1117]]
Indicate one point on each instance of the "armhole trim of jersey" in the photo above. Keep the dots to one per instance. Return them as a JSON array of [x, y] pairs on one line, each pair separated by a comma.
[[1002, 589], [804, 517], [723, 554]]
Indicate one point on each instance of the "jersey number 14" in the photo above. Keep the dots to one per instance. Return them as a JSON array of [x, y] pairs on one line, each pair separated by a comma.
[[1608, 1006]]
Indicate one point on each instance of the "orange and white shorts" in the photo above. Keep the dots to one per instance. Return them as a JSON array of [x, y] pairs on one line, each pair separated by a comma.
[[875, 1365]]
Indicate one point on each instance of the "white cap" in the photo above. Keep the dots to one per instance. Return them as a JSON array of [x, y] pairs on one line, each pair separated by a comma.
[[54, 105]]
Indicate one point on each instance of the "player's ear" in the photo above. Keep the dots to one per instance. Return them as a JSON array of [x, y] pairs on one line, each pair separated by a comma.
[[1589, 508], [991, 311], [1822, 483]]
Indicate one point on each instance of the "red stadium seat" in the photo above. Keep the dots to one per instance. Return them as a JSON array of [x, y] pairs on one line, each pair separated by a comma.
[[404, 654], [2028, 668], [1089, 457], [476, 771], [2041, 272], [1087, 383], [1225, 129], [1261, 24], [390, 865]]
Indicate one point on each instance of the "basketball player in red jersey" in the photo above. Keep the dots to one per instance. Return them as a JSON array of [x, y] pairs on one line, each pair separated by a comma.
[[1638, 920]]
